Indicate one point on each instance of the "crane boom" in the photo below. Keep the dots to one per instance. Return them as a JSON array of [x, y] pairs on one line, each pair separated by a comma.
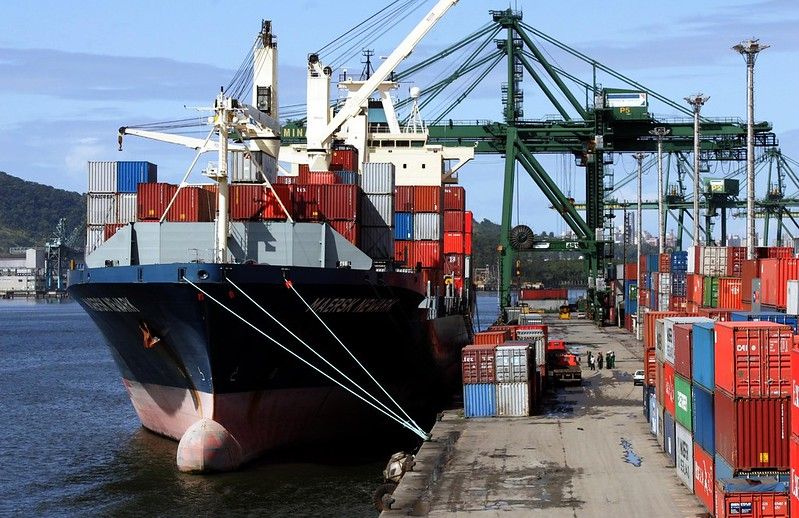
[[354, 102]]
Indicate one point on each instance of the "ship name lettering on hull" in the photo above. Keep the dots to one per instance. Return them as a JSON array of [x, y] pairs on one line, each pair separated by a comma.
[[111, 304], [352, 305]]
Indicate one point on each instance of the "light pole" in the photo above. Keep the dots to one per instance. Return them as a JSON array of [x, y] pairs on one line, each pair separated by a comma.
[[749, 50], [639, 237], [660, 132], [696, 101]]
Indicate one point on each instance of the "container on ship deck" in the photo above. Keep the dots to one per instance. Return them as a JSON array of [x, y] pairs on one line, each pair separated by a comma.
[[678, 284], [454, 221], [478, 363], [684, 449], [192, 204], [377, 210], [703, 355], [378, 178], [427, 226], [348, 228], [347, 158], [131, 174], [126, 207], [101, 209], [403, 226], [664, 263], [752, 358], [152, 200], [103, 177], [479, 400], [704, 477], [737, 497], [454, 198], [704, 425], [426, 198], [109, 229], [453, 264], [752, 433], [403, 198], [795, 394], [377, 242], [773, 252]]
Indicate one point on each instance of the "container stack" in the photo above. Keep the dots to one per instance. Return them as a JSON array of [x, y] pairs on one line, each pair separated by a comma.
[[417, 225], [112, 197], [515, 389], [455, 231], [377, 210], [478, 368], [536, 336]]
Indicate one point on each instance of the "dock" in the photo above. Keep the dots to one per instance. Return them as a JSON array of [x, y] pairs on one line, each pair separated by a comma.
[[587, 453]]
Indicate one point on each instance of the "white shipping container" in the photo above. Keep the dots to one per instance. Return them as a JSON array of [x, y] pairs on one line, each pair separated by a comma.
[[692, 266], [660, 435], [793, 298], [653, 414], [512, 363], [377, 210], [102, 177], [378, 178], [126, 208], [244, 167], [534, 319], [377, 242], [664, 284], [535, 337], [660, 339], [94, 237], [513, 399], [101, 209], [427, 226], [685, 456], [619, 271], [668, 328], [663, 301], [714, 261]]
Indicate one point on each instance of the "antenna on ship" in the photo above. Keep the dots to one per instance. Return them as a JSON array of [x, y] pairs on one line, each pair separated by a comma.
[[367, 64], [415, 123]]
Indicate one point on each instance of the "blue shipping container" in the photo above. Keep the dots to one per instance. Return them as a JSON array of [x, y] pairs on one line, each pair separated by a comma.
[[724, 472], [648, 391], [653, 414], [766, 316], [678, 284], [703, 340], [669, 440], [652, 263], [403, 226], [131, 174], [347, 177], [630, 297], [479, 400], [648, 281], [704, 427], [679, 262]]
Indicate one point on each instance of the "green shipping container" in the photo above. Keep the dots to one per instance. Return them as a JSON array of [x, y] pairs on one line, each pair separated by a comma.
[[710, 298], [682, 401]]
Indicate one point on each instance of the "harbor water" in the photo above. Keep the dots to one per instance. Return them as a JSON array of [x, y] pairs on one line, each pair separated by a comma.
[[72, 444]]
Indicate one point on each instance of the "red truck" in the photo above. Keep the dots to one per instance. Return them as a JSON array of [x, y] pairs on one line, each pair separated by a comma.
[[562, 365]]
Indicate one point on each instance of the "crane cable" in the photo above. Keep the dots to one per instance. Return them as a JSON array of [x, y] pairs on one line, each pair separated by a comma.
[[416, 430]]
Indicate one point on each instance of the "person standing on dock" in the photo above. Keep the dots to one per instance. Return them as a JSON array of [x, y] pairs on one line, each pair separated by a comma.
[[599, 360], [591, 361], [590, 357]]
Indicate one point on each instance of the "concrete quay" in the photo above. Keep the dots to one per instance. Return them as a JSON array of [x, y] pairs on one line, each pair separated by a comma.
[[588, 452]]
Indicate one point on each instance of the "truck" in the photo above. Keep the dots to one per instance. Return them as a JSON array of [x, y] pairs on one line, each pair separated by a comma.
[[562, 365]]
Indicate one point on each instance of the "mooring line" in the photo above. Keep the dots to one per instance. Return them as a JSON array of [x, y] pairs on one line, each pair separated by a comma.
[[306, 362], [319, 355]]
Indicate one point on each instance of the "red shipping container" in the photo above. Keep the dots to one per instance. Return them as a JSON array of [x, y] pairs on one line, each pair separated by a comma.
[[750, 269], [192, 204], [428, 253], [717, 314], [491, 337], [453, 264], [694, 287], [478, 365], [774, 252], [426, 198], [752, 433], [505, 327], [704, 477], [628, 323], [347, 228], [246, 201], [769, 273], [655, 283], [453, 242], [468, 222], [467, 243], [664, 263], [643, 300], [272, 209], [152, 200], [659, 383], [544, 294], [453, 221], [793, 490], [650, 366], [668, 388], [761, 504], [788, 270], [682, 349], [110, 229], [795, 395], [318, 178], [339, 201], [631, 271], [753, 358], [736, 255], [346, 158], [730, 293], [556, 345], [642, 264], [692, 307], [677, 303], [403, 198], [454, 198]]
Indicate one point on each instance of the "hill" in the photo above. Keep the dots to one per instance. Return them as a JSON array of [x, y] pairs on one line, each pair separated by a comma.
[[29, 211]]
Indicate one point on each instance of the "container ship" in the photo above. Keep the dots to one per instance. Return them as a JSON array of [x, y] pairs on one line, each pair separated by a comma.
[[280, 309]]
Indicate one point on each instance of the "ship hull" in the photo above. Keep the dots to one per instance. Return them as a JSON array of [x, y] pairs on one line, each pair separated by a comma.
[[185, 358]]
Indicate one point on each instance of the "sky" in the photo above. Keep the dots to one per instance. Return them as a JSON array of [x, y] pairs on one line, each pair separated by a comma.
[[71, 74]]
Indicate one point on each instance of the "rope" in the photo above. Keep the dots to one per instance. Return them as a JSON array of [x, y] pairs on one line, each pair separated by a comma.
[[290, 285], [318, 355], [306, 362]]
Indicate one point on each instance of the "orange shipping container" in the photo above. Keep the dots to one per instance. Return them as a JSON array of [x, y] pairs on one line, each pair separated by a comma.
[[717, 314], [649, 324], [491, 337], [664, 263], [694, 287], [749, 270], [735, 258], [193, 204], [631, 271], [650, 366], [730, 293], [426, 198], [453, 242]]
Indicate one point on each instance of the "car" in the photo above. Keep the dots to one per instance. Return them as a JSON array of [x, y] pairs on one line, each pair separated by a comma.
[[638, 377]]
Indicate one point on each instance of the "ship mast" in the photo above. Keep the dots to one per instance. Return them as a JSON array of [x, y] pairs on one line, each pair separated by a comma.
[[222, 114]]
